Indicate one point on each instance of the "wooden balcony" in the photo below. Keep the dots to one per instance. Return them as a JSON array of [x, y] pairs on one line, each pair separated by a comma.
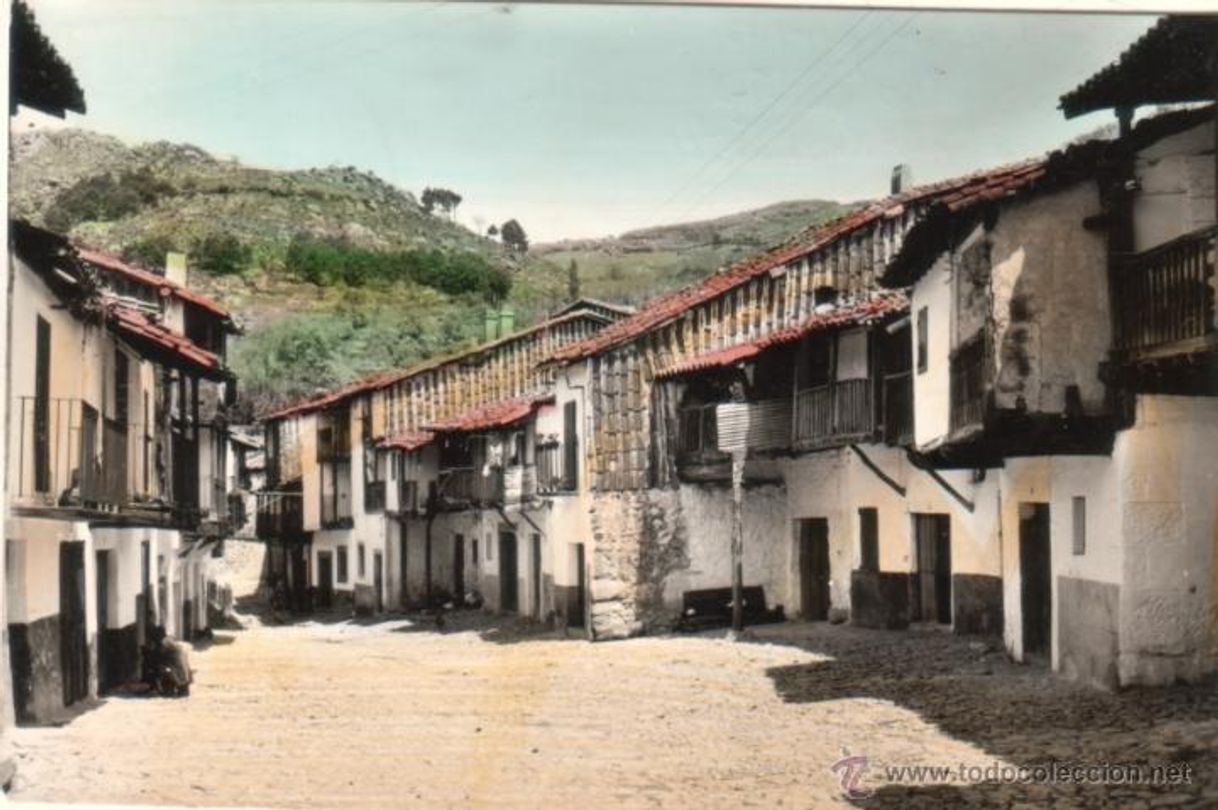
[[66, 456], [334, 438], [280, 516], [834, 414], [467, 487], [1163, 299], [555, 468], [970, 377]]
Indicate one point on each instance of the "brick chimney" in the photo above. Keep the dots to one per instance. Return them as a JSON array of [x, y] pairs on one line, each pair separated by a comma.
[[902, 178]]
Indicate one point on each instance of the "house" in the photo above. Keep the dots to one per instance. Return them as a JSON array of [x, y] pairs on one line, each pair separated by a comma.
[[116, 479], [421, 485]]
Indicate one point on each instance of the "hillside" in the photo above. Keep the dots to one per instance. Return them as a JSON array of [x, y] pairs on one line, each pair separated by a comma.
[[396, 283], [638, 264]]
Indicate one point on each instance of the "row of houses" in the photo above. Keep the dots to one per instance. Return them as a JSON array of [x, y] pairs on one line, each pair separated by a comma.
[[986, 403], [117, 472]]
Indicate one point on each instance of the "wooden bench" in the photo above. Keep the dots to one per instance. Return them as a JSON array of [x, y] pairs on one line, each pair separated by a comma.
[[712, 607]]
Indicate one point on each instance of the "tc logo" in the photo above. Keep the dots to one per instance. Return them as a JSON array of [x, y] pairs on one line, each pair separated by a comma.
[[850, 771]]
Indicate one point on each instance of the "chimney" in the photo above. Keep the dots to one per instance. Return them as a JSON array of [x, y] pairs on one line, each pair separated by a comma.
[[902, 178], [175, 268]]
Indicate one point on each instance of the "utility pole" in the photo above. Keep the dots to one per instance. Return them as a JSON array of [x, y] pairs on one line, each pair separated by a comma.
[[738, 540]]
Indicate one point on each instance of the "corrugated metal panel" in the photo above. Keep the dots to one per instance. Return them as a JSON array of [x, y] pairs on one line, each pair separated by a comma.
[[733, 419], [754, 425]]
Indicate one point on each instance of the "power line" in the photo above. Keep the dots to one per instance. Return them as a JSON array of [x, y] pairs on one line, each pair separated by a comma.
[[710, 161], [800, 114]]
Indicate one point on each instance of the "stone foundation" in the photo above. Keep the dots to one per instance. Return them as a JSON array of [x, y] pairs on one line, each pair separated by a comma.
[[976, 604], [37, 673], [879, 600]]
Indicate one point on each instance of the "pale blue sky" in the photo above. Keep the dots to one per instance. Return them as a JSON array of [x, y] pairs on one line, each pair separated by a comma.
[[587, 121]]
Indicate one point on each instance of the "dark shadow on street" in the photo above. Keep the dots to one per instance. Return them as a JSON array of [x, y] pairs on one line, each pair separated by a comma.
[[1022, 715]]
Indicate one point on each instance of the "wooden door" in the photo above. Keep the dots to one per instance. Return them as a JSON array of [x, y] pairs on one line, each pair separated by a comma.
[[580, 606], [378, 579], [403, 562], [74, 641], [814, 569], [42, 408], [325, 579], [1035, 569], [459, 568], [932, 582], [535, 569], [106, 675], [508, 586]]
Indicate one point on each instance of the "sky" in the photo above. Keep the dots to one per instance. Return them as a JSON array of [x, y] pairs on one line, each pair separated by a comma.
[[586, 121]]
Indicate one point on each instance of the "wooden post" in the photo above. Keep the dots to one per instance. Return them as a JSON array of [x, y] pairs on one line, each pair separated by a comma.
[[738, 457]]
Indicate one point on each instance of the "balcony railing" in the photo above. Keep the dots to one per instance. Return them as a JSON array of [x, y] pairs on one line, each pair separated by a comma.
[[66, 456], [335, 509], [555, 471], [408, 496], [374, 496], [969, 382], [898, 408], [1165, 295], [468, 486], [280, 515], [334, 441], [836, 413]]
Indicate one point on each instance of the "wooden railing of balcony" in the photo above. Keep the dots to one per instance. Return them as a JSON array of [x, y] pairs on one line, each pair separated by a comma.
[[898, 408], [836, 413], [280, 515], [467, 485], [1165, 296], [969, 382], [553, 475], [698, 430]]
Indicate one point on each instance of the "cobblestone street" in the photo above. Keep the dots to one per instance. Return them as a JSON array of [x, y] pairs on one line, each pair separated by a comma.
[[479, 713]]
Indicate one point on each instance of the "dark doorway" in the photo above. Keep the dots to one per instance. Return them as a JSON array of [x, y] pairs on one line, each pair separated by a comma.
[[932, 581], [535, 568], [325, 579], [1035, 570], [74, 640], [378, 579], [106, 674], [575, 617], [508, 585], [814, 569], [459, 568], [299, 573], [403, 561], [42, 407]]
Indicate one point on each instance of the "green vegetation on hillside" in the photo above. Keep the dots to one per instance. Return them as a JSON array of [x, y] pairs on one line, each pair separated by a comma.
[[335, 273]]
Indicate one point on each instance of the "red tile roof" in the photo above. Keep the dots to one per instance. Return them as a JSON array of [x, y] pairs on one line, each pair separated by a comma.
[[499, 414], [382, 379], [409, 440], [876, 307], [135, 324], [150, 279], [325, 399], [990, 184]]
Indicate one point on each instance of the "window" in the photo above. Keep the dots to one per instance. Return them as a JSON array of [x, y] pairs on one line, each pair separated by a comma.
[[490, 548], [869, 539], [342, 564], [475, 552], [359, 561], [923, 328], [1080, 524]]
